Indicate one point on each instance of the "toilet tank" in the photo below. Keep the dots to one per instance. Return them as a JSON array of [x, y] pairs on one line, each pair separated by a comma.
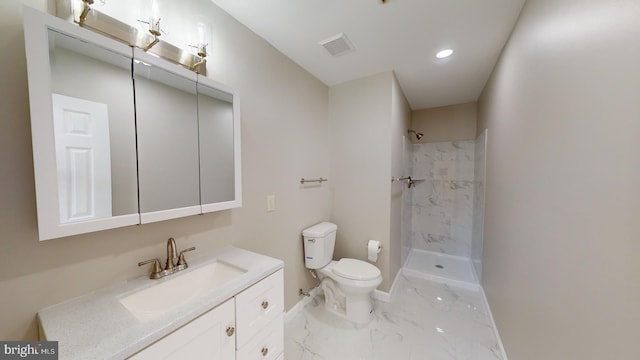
[[319, 241]]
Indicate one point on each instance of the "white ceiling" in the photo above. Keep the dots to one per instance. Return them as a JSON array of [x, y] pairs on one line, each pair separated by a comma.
[[401, 35]]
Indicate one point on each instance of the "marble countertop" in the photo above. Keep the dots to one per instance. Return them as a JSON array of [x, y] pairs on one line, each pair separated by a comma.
[[98, 326]]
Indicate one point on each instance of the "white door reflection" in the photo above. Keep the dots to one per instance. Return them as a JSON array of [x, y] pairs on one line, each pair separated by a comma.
[[83, 158]]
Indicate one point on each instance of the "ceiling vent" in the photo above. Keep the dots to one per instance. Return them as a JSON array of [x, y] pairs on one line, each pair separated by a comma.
[[338, 45]]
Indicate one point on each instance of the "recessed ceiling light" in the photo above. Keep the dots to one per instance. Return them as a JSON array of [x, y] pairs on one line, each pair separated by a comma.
[[444, 53]]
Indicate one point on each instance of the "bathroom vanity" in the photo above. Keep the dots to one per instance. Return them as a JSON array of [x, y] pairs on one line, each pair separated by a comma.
[[227, 305]]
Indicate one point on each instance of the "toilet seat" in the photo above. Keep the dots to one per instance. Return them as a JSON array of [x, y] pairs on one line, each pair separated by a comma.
[[355, 269]]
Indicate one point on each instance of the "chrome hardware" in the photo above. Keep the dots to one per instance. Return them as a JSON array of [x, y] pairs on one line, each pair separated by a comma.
[[157, 272], [313, 273], [182, 263], [408, 179], [303, 293], [172, 255], [264, 351], [230, 331], [265, 304], [303, 180], [312, 240], [174, 262]]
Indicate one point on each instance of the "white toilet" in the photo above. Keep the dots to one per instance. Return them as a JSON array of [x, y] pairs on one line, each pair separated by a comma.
[[347, 283]]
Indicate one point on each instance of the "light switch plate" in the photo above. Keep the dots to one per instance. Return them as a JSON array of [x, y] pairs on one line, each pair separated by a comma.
[[271, 203]]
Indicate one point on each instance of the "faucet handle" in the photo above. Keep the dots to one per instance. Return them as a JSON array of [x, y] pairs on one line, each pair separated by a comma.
[[182, 263], [157, 268]]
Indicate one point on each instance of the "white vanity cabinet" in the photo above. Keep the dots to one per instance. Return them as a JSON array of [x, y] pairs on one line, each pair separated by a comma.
[[211, 336], [249, 326], [259, 319]]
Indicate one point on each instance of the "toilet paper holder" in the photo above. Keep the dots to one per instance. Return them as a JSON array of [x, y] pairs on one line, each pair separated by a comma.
[[379, 244], [373, 249]]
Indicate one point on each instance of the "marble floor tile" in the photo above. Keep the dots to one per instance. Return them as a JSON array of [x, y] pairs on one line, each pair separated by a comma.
[[425, 320]]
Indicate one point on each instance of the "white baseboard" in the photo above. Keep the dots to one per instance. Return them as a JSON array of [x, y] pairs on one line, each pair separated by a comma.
[[297, 308], [493, 324], [387, 296]]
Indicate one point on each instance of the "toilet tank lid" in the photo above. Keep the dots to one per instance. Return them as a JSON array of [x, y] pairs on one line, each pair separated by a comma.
[[320, 230], [356, 269]]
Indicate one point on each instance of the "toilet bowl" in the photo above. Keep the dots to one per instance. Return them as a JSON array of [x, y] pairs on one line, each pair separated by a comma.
[[346, 283]]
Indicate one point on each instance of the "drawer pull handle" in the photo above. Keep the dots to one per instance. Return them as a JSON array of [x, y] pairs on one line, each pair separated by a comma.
[[230, 331], [265, 304], [264, 351]]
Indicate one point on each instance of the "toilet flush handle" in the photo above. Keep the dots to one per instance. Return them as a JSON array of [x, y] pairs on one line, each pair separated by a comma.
[[312, 240]]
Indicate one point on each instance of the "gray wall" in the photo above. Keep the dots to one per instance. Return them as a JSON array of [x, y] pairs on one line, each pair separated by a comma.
[[367, 118], [400, 120], [445, 123], [284, 138], [561, 241]]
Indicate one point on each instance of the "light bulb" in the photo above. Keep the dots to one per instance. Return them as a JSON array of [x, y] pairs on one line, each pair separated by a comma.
[[444, 53], [202, 32], [155, 10]]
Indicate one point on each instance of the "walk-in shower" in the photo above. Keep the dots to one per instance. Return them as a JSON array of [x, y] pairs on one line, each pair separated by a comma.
[[443, 214]]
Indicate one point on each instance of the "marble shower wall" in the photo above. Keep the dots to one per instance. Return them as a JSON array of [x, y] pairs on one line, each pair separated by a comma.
[[442, 200], [478, 202], [407, 159]]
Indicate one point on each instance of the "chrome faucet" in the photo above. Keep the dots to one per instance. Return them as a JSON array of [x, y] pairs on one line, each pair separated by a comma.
[[172, 255], [174, 262]]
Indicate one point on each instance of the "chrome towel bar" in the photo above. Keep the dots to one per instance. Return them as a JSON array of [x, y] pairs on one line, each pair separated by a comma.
[[303, 180]]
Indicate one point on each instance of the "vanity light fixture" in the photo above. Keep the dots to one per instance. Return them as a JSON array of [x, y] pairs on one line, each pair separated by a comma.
[[444, 53], [154, 24], [202, 30], [82, 13]]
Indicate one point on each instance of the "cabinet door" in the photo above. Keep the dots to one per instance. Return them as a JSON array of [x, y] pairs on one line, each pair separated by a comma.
[[204, 338]]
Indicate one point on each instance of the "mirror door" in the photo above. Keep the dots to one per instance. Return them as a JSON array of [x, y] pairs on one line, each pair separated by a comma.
[[219, 132], [83, 129], [167, 124]]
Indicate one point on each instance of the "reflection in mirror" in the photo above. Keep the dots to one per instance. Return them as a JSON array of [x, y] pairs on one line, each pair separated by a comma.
[[167, 123], [94, 130], [215, 116]]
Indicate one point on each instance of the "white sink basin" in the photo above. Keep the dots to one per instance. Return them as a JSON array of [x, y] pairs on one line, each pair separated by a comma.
[[177, 289]]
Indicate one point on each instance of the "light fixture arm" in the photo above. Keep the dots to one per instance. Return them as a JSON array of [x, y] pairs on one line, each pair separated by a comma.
[[202, 54], [155, 40], [201, 49], [86, 7], [154, 30]]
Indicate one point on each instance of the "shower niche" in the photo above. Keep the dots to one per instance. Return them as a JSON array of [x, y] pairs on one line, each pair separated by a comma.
[[103, 160]]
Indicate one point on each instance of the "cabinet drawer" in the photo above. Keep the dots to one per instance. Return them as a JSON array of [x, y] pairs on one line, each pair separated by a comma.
[[268, 344], [258, 305]]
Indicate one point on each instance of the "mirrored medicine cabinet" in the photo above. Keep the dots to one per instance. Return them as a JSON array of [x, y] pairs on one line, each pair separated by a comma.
[[121, 137]]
